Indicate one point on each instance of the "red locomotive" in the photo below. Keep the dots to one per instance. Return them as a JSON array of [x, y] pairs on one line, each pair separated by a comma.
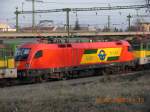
[[63, 59]]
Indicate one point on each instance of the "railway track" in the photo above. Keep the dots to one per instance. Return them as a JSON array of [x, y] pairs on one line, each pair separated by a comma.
[[80, 81], [125, 76]]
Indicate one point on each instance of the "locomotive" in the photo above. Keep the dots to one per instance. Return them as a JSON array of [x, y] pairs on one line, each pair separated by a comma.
[[63, 60]]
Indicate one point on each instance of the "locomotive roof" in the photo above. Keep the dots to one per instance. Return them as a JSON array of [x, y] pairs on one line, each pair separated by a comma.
[[77, 45]]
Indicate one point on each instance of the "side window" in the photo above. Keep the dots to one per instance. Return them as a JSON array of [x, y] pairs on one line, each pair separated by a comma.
[[144, 46], [1, 52], [148, 47], [136, 47], [38, 54]]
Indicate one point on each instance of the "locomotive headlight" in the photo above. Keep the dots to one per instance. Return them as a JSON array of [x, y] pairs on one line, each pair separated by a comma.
[[27, 65]]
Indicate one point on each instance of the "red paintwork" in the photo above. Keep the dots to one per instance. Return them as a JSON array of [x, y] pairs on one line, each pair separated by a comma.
[[55, 57]]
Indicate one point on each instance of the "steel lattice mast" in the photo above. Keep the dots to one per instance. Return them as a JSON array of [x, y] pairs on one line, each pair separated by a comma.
[[67, 10]]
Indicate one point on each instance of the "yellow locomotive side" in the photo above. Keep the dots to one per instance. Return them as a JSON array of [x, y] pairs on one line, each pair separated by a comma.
[[7, 62], [142, 52]]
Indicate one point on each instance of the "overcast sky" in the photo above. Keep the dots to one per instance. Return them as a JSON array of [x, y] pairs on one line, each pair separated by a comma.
[[7, 8]]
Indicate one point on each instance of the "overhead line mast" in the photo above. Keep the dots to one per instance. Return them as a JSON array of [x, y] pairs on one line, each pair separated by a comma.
[[67, 10]]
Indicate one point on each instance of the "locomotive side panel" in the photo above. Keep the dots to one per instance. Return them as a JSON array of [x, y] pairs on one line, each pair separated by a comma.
[[56, 58]]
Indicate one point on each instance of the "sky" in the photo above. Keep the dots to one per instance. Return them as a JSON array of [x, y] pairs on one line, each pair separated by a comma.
[[118, 17]]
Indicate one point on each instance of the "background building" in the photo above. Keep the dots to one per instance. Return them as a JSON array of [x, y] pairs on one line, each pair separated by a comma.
[[145, 26], [5, 27]]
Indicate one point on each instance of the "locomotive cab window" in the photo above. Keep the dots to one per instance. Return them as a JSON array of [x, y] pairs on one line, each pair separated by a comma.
[[22, 54], [38, 54]]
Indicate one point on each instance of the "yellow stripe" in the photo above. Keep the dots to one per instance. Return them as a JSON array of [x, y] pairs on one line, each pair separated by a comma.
[[94, 58], [141, 54]]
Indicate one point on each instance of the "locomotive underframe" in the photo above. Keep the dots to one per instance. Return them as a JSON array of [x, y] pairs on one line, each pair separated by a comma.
[[75, 70]]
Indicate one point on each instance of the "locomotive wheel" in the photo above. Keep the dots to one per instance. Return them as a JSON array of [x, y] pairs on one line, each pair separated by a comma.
[[61, 76], [127, 69], [107, 71], [45, 77], [41, 78], [65, 76], [37, 79]]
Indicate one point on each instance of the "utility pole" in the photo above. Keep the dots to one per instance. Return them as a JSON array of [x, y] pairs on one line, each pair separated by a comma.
[[33, 15], [108, 23], [148, 5], [67, 10], [22, 6], [147, 2], [129, 22], [17, 16]]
